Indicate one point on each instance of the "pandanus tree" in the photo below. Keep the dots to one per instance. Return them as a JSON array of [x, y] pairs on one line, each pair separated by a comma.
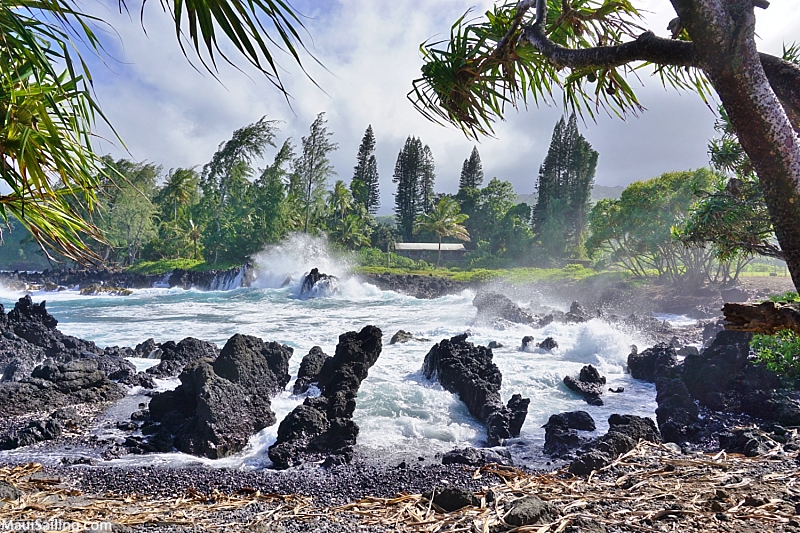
[[587, 49], [47, 114], [444, 220]]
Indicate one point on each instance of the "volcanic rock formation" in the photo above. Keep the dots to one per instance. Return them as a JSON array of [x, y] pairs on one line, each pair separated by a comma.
[[468, 370], [322, 428]]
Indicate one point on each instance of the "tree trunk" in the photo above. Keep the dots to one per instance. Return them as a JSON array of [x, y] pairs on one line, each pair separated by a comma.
[[724, 36], [768, 317], [439, 259]]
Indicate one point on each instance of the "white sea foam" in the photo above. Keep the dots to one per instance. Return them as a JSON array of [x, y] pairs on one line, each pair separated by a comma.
[[399, 411]]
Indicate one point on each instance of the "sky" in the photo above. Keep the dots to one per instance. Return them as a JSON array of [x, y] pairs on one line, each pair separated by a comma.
[[172, 112]]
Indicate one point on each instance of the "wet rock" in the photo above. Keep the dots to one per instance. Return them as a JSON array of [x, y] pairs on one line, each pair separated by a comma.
[[527, 343], [422, 287], [652, 363], [452, 498], [220, 403], [323, 428], [175, 357], [8, 491], [575, 315], [492, 305], [476, 457], [493, 345], [310, 367], [714, 369], [549, 344], [561, 437], [771, 405], [624, 433], [316, 283], [468, 370], [213, 280], [750, 442], [588, 385], [677, 413], [98, 289], [35, 431], [148, 349], [530, 510], [404, 336]]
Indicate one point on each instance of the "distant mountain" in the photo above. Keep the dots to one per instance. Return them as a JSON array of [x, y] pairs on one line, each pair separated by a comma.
[[599, 192]]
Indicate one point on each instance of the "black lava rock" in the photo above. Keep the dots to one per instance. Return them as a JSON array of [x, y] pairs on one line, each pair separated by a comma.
[[175, 357], [310, 367], [468, 370], [588, 385], [652, 363], [221, 403], [323, 427], [624, 433]]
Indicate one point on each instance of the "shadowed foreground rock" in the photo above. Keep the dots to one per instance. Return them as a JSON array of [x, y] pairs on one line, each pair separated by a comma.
[[468, 370], [624, 433], [323, 428], [560, 435], [220, 404]]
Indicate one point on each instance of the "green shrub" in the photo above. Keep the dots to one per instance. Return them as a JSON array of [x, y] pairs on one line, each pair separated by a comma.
[[780, 352], [787, 297], [373, 257]]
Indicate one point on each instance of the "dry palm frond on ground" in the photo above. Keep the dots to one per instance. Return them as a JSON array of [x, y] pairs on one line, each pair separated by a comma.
[[651, 488]]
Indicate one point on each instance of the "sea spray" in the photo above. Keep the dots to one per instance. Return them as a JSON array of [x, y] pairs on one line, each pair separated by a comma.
[[286, 263]]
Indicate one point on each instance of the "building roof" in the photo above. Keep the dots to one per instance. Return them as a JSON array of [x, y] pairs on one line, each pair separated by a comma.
[[429, 247]]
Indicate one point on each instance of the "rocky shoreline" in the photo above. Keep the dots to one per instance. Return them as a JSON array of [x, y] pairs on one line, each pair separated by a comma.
[[714, 400]]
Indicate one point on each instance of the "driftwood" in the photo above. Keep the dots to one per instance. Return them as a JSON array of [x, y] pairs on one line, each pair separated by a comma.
[[767, 317]]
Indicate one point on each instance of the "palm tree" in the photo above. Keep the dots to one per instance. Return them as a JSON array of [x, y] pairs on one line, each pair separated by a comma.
[[194, 235], [50, 171], [180, 187], [340, 199], [351, 232], [445, 220]]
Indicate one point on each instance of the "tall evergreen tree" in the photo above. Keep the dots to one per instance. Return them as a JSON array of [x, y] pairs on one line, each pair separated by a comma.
[[407, 176], [364, 186], [312, 166], [471, 172], [564, 186], [427, 178]]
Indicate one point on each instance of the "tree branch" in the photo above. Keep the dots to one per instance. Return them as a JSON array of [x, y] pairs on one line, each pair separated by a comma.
[[784, 77]]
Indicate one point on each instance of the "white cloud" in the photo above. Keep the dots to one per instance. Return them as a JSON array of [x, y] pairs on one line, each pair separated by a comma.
[[169, 113]]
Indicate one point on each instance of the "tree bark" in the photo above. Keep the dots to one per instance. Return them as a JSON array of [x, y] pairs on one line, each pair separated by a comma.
[[768, 317], [723, 33]]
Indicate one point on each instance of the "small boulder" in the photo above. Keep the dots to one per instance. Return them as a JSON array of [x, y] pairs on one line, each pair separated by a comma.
[[9, 492], [530, 510], [452, 498], [476, 457], [310, 367], [549, 344]]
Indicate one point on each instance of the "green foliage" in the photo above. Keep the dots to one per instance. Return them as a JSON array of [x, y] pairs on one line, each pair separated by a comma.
[[413, 174], [471, 172], [564, 187], [445, 220], [364, 185], [313, 168], [635, 231], [52, 172], [787, 297], [732, 214], [375, 257], [486, 64], [780, 352]]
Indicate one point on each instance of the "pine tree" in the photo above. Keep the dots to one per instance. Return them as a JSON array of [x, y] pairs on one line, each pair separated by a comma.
[[565, 182], [312, 167], [364, 185], [427, 175], [407, 172], [471, 172]]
